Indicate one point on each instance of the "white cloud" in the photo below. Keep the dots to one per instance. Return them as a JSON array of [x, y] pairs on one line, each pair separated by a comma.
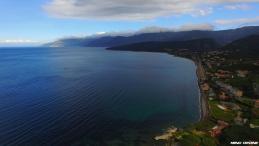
[[156, 29], [239, 21], [101, 33], [148, 29], [203, 12], [188, 27], [185, 27], [132, 9], [17, 41], [112, 33], [238, 7], [153, 29]]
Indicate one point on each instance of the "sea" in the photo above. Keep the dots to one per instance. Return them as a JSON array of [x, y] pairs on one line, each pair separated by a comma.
[[93, 97]]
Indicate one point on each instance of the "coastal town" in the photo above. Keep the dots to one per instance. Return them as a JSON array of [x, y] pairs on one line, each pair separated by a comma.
[[229, 87]]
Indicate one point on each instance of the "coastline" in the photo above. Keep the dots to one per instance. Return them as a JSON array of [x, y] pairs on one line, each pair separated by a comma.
[[201, 78], [200, 74], [203, 98]]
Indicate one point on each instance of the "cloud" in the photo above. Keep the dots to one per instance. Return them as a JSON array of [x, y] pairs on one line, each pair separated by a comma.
[[188, 27], [153, 29], [203, 12], [101, 33], [238, 7], [239, 21], [156, 29], [148, 29], [185, 27], [132, 9], [17, 41]]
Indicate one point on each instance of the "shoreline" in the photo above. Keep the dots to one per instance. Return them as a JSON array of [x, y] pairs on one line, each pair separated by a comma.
[[201, 77], [200, 74], [202, 96], [203, 100], [168, 135]]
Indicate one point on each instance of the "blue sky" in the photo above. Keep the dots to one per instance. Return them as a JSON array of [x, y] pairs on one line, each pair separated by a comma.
[[39, 21]]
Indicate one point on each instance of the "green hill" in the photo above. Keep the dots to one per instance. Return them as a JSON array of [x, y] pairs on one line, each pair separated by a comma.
[[248, 46], [196, 45]]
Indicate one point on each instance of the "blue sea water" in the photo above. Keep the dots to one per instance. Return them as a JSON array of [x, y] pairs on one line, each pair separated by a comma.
[[92, 96]]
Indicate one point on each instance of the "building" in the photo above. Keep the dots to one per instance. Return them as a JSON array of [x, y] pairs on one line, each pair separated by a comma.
[[237, 93], [211, 93], [223, 96], [231, 90], [231, 105], [223, 72], [242, 73], [217, 130], [222, 75], [256, 104], [205, 87]]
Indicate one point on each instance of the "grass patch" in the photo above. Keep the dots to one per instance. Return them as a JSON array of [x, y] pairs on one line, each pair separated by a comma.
[[204, 125], [193, 140], [238, 133], [190, 140], [220, 114], [246, 101], [255, 122]]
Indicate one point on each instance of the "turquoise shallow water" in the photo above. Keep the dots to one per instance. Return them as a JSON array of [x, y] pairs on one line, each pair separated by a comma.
[[91, 96]]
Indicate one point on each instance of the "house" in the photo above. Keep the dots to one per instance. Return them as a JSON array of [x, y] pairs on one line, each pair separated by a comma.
[[231, 90], [222, 74], [238, 120], [217, 130], [256, 104], [242, 73], [223, 96], [209, 65], [205, 87], [237, 93], [211, 93], [218, 75], [255, 112], [231, 105]]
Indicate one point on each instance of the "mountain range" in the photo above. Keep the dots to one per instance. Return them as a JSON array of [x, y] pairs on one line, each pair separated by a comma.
[[248, 46], [221, 37], [245, 47], [195, 45]]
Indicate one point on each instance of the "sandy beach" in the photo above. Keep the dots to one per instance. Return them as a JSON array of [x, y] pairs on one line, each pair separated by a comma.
[[203, 98]]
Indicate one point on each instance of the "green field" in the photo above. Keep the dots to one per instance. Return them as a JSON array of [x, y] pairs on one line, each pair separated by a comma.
[[255, 122], [220, 114]]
